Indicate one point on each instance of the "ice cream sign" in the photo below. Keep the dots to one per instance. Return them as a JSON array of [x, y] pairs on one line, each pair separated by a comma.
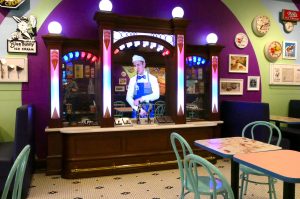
[[289, 19], [11, 3], [23, 39]]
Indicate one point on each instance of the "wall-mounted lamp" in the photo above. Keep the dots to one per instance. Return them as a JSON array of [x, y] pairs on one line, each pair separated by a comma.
[[177, 12], [54, 27], [105, 5], [211, 38]]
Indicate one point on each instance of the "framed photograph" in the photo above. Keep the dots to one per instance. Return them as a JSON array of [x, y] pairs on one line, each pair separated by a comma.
[[13, 70], [285, 74], [289, 50], [231, 86], [122, 81], [253, 83], [119, 88], [238, 63]]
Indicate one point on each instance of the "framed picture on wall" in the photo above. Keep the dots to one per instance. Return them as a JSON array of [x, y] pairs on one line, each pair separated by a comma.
[[122, 81], [238, 63], [119, 88], [253, 83], [289, 50], [231, 86]]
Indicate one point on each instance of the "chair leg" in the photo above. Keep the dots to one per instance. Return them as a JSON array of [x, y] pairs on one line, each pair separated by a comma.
[[273, 187], [182, 193], [270, 188], [246, 186], [242, 185]]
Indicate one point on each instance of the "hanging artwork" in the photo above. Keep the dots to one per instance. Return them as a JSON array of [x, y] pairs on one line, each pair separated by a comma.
[[11, 3], [23, 39], [13, 70]]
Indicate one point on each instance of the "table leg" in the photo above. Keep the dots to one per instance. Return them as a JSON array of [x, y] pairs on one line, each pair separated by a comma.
[[277, 123], [288, 190], [235, 178]]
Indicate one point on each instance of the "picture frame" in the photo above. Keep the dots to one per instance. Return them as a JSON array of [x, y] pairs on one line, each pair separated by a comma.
[[238, 63], [253, 83], [231, 86], [119, 88], [122, 81], [14, 69], [284, 74], [289, 49]]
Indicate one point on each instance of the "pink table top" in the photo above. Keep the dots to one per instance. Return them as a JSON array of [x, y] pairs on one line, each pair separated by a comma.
[[281, 164], [227, 147]]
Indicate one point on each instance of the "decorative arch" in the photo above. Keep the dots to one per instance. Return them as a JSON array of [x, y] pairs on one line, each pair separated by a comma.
[[160, 44]]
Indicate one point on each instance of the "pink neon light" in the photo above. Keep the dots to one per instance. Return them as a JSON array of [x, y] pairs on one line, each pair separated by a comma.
[[83, 54], [94, 59], [180, 74], [215, 88], [89, 55], [106, 73], [54, 83]]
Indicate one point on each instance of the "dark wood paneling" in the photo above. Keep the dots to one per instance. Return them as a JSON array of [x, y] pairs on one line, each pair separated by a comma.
[[94, 154]]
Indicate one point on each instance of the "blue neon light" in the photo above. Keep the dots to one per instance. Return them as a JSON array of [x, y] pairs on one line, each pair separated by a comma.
[[192, 61], [77, 54], [71, 55], [66, 58]]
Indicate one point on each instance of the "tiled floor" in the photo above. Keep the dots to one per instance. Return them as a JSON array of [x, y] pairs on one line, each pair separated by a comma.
[[150, 185]]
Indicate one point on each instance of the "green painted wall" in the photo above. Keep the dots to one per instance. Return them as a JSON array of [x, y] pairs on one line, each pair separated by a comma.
[[10, 99], [277, 96]]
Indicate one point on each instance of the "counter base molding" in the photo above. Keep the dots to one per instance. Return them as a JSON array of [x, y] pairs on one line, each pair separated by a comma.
[[112, 151]]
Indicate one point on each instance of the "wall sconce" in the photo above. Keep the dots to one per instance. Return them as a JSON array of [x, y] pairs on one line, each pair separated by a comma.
[[177, 12], [105, 5], [211, 38], [54, 27]]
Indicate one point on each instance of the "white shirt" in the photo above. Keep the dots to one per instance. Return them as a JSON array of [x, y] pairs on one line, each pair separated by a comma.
[[131, 88]]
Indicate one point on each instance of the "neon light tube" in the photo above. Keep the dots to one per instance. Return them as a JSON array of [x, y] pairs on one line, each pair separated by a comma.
[[215, 85], [54, 83], [106, 73]]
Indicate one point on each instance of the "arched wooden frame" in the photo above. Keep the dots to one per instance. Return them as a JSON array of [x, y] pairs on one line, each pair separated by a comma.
[[144, 38]]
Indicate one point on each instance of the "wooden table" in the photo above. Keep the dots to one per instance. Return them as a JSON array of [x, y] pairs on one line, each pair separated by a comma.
[[283, 119], [228, 147], [280, 164]]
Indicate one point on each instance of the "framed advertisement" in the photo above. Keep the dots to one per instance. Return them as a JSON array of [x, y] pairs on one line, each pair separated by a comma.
[[231, 86], [253, 83], [289, 50], [285, 74], [119, 88], [238, 63]]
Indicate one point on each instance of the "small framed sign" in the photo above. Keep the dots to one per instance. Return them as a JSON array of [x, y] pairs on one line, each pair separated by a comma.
[[23, 39], [289, 50], [253, 83]]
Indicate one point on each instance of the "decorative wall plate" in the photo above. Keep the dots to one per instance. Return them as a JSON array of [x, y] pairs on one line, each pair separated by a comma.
[[261, 25], [273, 50], [241, 40]]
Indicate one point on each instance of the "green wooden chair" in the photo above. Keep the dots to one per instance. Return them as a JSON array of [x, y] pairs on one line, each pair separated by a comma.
[[204, 182], [118, 104], [17, 173], [246, 171], [215, 183]]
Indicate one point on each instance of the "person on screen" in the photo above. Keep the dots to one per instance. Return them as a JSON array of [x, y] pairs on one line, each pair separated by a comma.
[[143, 87]]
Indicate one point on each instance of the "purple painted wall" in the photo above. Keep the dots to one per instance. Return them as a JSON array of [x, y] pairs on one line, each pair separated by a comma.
[[76, 18]]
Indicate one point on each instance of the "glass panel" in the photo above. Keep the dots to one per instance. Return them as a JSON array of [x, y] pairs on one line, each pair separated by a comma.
[[78, 77]]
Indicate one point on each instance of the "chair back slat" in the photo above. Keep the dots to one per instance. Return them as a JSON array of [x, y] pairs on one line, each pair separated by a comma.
[[215, 174], [17, 173]]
